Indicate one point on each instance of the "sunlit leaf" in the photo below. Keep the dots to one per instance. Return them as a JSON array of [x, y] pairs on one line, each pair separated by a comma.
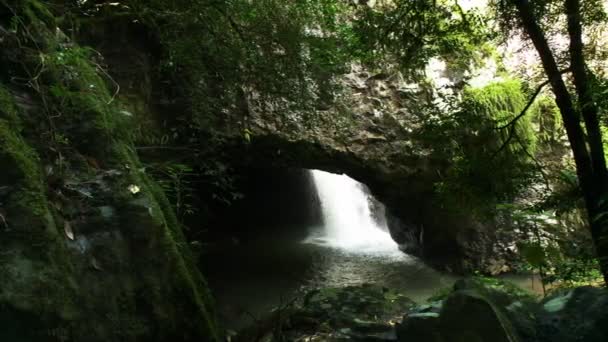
[[67, 228]]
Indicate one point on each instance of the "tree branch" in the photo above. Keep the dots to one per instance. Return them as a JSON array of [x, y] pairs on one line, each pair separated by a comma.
[[463, 15], [536, 161], [505, 143], [531, 101], [563, 98], [231, 21]]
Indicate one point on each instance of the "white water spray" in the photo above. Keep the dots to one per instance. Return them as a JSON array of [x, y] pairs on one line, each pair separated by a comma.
[[348, 221]]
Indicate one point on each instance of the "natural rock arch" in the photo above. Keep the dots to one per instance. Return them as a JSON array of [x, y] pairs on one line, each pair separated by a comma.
[[370, 134]]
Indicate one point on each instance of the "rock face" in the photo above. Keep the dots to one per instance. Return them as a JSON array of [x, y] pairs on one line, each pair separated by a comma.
[[371, 132], [91, 249], [580, 314], [472, 312], [482, 311], [375, 141]]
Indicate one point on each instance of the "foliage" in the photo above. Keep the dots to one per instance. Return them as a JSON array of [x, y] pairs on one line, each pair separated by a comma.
[[413, 32], [489, 163], [222, 60], [501, 286], [485, 285], [225, 54], [440, 294], [577, 101], [71, 118], [549, 121], [551, 245], [175, 182]]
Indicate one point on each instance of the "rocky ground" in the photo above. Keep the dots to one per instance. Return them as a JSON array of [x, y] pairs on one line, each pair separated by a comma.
[[480, 309]]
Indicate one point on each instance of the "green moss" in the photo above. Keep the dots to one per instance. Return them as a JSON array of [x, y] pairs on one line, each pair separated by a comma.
[[490, 153], [37, 11], [20, 162], [8, 110], [502, 286], [502, 102], [32, 260], [548, 117], [90, 114], [440, 294], [85, 109], [189, 280], [46, 277]]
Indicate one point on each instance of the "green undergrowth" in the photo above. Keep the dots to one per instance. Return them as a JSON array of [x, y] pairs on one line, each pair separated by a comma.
[[487, 286], [490, 147], [31, 258]]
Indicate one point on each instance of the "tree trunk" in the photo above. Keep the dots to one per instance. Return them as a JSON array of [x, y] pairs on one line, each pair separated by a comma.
[[589, 110], [590, 167], [585, 98]]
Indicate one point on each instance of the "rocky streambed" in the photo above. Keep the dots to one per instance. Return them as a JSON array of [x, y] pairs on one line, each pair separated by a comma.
[[479, 309]]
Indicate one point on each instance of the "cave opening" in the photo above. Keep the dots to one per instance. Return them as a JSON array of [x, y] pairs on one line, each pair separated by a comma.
[[295, 230]]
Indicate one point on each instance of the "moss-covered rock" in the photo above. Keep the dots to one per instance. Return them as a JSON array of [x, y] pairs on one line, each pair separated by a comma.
[[469, 316], [360, 313], [578, 314], [91, 248]]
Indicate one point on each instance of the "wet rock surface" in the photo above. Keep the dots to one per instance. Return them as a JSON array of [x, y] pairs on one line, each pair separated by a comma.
[[91, 249], [469, 316], [479, 310], [374, 134], [352, 313], [580, 314]]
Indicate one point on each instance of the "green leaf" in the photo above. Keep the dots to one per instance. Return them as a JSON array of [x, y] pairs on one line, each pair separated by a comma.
[[247, 135], [532, 253]]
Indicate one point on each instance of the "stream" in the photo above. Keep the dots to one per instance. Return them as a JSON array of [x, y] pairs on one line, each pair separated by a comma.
[[351, 247]]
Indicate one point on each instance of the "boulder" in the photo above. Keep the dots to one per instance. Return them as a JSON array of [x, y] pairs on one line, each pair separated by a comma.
[[422, 326], [518, 305], [467, 316], [351, 313], [580, 314]]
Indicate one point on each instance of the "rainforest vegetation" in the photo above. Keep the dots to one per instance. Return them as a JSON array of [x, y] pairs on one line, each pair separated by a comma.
[[138, 138]]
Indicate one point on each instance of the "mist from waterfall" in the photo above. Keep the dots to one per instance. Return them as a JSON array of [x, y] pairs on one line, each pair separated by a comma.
[[349, 223]]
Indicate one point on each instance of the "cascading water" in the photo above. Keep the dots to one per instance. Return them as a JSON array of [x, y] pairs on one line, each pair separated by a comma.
[[351, 248], [348, 222]]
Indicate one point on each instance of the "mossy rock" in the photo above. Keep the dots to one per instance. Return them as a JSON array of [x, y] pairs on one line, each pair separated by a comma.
[[69, 274], [367, 302], [469, 317]]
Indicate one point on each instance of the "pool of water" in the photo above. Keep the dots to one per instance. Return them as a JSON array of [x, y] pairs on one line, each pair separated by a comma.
[[250, 278], [352, 246]]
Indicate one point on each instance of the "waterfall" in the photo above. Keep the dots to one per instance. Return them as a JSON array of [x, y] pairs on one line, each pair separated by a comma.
[[348, 222]]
